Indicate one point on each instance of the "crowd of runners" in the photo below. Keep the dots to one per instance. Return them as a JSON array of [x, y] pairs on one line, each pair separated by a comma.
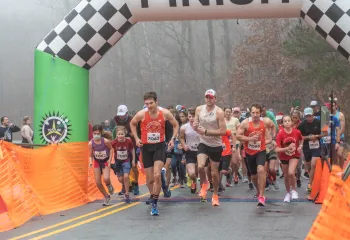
[[181, 146]]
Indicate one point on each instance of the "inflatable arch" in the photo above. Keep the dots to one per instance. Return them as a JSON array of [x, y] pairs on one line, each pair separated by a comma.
[[79, 41]]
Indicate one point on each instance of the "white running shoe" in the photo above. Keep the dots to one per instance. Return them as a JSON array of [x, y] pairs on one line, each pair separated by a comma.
[[294, 194], [287, 198], [245, 179], [276, 185]]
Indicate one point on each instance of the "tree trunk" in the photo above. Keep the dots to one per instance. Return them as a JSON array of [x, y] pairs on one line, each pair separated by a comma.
[[211, 54], [149, 57], [227, 46]]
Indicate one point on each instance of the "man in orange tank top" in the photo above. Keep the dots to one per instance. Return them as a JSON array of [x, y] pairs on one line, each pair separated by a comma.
[[255, 135], [152, 142]]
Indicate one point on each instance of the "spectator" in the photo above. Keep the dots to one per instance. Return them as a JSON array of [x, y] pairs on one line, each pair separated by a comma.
[[7, 129], [27, 132]]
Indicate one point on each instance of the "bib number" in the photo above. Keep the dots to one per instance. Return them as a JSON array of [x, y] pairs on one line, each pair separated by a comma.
[[327, 139], [100, 155], [252, 145], [153, 137], [314, 145], [122, 155]]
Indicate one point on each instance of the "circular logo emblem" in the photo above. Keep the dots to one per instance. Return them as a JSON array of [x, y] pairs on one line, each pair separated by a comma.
[[54, 128], [153, 127]]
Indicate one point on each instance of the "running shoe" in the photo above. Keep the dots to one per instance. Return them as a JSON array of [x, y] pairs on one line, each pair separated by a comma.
[[306, 175], [308, 187], [154, 210], [193, 187], [203, 192], [110, 189], [276, 185], [282, 176], [149, 201], [220, 190], [127, 199], [182, 184], [136, 189], [122, 192], [239, 176], [229, 179], [294, 194], [215, 200], [261, 202], [235, 180], [277, 173], [107, 200], [211, 187], [245, 180], [298, 183], [287, 198], [251, 186], [173, 182], [163, 178]]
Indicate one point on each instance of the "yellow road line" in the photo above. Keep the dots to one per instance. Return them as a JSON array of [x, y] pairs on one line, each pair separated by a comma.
[[71, 220], [85, 221], [89, 220], [77, 218]]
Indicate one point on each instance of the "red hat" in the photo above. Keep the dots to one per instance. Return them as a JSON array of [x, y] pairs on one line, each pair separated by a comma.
[[279, 116]]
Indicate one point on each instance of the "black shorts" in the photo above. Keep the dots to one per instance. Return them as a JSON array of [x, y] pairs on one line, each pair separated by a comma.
[[152, 153], [225, 162], [191, 157], [309, 154], [169, 154], [285, 162], [255, 160], [272, 155], [214, 153]]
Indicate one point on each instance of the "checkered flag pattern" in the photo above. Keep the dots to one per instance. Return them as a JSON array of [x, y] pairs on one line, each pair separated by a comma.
[[331, 19], [88, 31]]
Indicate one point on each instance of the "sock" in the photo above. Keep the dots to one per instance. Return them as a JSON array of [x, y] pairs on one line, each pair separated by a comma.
[[155, 199]]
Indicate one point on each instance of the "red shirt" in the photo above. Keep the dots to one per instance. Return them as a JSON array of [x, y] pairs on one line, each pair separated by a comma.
[[153, 130], [122, 150], [284, 139], [226, 145], [254, 147], [280, 127]]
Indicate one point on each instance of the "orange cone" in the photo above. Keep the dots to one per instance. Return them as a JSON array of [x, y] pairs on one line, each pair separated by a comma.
[[316, 184], [324, 183]]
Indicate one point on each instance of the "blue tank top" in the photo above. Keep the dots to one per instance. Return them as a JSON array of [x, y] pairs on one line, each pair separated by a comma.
[[100, 151], [342, 137]]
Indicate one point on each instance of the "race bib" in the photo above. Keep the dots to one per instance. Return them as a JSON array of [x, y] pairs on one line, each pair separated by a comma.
[[194, 147], [314, 145], [254, 145], [327, 140], [289, 153], [122, 155], [100, 155], [153, 137]]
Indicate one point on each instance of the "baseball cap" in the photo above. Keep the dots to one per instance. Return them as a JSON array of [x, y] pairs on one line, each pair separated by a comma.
[[308, 111], [279, 116], [313, 103], [236, 109], [122, 110], [210, 92]]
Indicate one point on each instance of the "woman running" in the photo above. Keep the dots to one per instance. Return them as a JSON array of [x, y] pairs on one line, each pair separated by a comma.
[[289, 144], [124, 153], [101, 153]]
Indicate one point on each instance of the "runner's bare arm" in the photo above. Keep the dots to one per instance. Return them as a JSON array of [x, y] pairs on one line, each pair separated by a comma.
[[182, 137], [342, 123], [134, 121], [169, 116], [337, 137], [90, 153], [271, 126], [133, 157], [234, 139], [241, 130], [196, 118], [220, 116], [268, 136]]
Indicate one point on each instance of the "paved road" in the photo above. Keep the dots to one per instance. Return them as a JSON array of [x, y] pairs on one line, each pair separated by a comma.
[[181, 217]]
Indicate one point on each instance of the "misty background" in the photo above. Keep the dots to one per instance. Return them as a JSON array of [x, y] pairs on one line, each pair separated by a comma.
[[273, 61]]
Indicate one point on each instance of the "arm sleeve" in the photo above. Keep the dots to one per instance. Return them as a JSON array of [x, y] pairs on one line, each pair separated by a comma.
[[14, 129], [114, 132]]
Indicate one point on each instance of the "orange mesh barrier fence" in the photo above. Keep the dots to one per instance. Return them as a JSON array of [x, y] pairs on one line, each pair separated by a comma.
[[45, 180], [333, 220]]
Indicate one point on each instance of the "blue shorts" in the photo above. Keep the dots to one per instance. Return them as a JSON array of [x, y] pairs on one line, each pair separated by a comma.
[[121, 168]]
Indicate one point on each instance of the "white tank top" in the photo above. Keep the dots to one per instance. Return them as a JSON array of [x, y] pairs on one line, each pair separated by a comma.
[[192, 137], [208, 121]]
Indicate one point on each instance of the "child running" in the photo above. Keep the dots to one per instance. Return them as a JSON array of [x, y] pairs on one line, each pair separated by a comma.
[[289, 143], [101, 153], [124, 154]]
